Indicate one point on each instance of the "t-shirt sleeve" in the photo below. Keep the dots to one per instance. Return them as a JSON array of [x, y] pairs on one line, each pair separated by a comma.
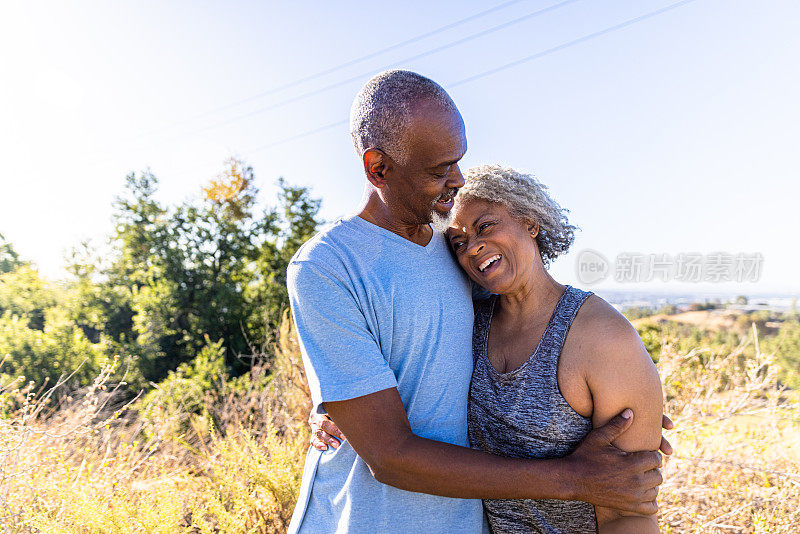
[[341, 356]]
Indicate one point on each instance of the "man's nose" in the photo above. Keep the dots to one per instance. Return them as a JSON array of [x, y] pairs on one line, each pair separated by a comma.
[[456, 178]]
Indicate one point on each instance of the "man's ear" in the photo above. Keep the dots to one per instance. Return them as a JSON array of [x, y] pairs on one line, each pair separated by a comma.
[[376, 164], [533, 229]]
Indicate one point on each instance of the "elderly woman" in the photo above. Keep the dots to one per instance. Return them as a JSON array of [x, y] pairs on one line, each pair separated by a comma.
[[551, 361]]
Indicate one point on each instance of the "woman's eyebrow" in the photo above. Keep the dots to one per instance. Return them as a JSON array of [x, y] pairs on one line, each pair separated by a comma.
[[477, 219], [451, 236]]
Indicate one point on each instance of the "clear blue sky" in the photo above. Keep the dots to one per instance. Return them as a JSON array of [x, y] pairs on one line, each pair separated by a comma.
[[679, 133]]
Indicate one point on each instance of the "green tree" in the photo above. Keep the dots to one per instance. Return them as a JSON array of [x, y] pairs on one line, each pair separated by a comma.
[[173, 277], [296, 222], [24, 294], [9, 259], [38, 336], [212, 266]]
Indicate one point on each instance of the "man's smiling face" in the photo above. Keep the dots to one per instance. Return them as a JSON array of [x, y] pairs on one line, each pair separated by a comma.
[[423, 186]]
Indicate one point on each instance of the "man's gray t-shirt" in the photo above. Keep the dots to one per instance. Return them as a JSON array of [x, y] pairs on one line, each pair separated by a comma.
[[376, 311]]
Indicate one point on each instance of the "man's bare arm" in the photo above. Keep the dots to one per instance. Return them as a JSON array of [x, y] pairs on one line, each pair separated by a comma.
[[325, 433], [377, 428]]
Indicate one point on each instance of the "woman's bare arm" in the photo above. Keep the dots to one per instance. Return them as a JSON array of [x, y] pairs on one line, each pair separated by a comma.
[[620, 373]]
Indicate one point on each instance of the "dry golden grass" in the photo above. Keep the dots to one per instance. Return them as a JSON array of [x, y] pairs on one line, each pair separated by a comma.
[[737, 440], [710, 319], [91, 465]]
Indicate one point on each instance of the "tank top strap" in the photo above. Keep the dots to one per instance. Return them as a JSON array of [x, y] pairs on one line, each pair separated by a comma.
[[556, 333]]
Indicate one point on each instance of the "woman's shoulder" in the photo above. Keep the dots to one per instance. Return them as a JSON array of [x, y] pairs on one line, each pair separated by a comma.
[[604, 366], [618, 371], [602, 320], [603, 334]]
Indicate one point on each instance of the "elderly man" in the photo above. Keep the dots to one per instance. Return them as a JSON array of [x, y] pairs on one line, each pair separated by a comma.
[[384, 317]]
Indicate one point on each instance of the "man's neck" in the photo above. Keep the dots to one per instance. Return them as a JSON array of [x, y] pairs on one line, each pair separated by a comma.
[[378, 213]]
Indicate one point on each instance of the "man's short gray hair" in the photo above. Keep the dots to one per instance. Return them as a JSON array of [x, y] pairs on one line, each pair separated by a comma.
[[526, 199], [381, 111]]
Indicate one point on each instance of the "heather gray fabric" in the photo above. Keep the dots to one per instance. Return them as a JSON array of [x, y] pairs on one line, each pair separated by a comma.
[[522, 414]]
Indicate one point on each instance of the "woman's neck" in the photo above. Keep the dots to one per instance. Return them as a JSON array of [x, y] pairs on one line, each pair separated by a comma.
[[537, 296]]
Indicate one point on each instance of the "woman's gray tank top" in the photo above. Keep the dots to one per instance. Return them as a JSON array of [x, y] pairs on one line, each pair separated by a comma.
[[522, 414]]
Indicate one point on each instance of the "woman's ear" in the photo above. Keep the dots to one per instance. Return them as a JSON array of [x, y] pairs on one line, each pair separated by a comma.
[[533, 229]]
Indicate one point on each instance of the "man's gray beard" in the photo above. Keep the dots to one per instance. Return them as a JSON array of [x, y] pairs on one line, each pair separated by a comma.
[[440, 222]]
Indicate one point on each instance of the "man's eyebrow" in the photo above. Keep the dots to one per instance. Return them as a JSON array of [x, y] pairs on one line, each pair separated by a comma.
[[445, 164]]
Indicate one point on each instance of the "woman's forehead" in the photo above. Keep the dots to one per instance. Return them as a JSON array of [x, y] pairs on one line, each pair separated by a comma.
[[470, 210], [473, 207]]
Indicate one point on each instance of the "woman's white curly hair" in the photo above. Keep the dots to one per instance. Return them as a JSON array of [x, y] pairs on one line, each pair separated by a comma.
[[526, 199]]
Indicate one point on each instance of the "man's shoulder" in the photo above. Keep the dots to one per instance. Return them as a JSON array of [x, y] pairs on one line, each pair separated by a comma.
[[334, 240], [346, 241], [332, 252]]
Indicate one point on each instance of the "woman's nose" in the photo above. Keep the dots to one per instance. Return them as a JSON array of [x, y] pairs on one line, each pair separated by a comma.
[[475, 248]]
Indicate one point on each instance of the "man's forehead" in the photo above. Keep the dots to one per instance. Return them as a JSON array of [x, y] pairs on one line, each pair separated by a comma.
[[430, 115], [438, 137]]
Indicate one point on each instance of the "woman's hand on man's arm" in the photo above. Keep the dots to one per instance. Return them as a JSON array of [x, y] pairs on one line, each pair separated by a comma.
[[324, 432]]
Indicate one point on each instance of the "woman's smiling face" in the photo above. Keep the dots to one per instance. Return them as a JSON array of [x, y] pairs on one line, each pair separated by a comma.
[[495, 249]]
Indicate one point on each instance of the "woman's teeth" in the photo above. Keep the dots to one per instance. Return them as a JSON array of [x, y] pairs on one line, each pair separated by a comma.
[[483, 266]]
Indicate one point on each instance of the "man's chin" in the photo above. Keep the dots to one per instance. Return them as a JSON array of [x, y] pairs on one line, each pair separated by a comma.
[[440, 221]]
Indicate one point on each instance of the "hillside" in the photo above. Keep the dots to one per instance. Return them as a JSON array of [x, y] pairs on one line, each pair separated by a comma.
[[234, 466]]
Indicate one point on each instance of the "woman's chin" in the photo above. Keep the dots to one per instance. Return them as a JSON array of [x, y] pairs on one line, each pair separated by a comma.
[[494, 279], [489, 285]]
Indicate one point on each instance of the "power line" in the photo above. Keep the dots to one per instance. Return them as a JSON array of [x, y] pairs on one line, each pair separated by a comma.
[[572, 43], [509, 65], [363, 75], [300, 135], [336, 68]]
